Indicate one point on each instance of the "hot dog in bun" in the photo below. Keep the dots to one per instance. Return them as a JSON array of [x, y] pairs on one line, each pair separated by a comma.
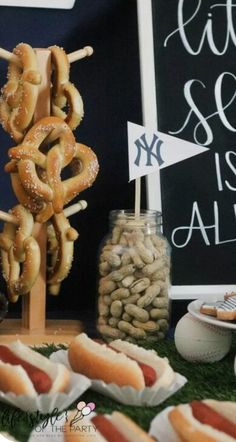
[[25, 371], [116, 427], [121, 363], [205, 421]]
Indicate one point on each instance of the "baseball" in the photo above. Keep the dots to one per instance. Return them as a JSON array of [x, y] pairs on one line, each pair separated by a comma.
[[198, 341]]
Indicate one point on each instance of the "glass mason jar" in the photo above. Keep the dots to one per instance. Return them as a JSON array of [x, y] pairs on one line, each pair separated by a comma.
[[134, 278]]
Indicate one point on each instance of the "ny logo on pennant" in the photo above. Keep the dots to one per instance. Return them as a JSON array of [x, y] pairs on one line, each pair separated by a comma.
[[143, 146]]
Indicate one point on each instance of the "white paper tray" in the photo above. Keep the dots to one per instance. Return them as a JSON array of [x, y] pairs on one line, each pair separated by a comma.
[[47, 403], [161, 429], [148, 397]]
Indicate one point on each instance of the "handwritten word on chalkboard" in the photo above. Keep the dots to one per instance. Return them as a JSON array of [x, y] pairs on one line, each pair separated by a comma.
[[195, 61]]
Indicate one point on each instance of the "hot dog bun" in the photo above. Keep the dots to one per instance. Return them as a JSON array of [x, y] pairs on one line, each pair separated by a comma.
[[98, 361], [125, 426], [14, 378], [129, 428], [165, 374], [222, 415]]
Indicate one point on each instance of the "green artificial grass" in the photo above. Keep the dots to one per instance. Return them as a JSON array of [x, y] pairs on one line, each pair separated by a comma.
[[216, 381]]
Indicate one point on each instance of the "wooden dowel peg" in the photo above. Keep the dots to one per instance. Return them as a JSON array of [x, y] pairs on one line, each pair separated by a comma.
[[71, 210], [6, 55], [87, 51], [7, 217], [75, 208], [72, 57]]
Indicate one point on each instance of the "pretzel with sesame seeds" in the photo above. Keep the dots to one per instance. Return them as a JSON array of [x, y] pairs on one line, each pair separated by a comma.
[[61, 238], [32, 186], [34, 205], [85, 168], [41, 152], [20, 254], [63, 91], [27, 156], [20, 93]]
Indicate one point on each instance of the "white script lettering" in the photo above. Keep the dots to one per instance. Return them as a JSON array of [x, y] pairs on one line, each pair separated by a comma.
[[207, 32], [203, 121], [199, 226]]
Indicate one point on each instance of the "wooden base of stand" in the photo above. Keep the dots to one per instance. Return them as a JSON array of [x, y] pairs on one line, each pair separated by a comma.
[[58, 331]]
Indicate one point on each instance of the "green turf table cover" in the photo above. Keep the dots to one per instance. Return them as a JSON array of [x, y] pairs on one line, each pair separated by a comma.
[[216, 380]]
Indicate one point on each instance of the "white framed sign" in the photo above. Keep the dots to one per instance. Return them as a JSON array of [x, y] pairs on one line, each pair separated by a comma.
[[49, 4], [188, 91]]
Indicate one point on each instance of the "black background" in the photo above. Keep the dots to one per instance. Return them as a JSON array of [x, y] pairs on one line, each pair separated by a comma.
[[109, 83], [195, 179]]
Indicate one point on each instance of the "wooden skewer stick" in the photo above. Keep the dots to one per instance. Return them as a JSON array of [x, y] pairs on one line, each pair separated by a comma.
[[73, 56], [71, 210]]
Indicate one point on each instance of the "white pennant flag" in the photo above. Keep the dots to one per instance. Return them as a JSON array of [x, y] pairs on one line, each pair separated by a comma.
[[150, 150]]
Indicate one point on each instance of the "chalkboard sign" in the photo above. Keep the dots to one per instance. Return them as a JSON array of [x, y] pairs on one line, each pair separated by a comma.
[[195, 71]]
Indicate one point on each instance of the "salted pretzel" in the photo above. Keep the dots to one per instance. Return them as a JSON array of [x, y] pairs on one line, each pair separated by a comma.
[[20, 254], [61, 74], [28, 156], [64, 93], [34, 205], [20, 93], [49, 194], [61, 238], [85, 168]]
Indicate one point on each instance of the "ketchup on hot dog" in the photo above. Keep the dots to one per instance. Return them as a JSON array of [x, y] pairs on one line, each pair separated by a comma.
[[206, 415], [41, 381], [107, 429], [149, 373]]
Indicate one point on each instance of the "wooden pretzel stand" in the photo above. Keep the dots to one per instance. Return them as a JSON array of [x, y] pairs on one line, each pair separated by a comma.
[[33, 328]]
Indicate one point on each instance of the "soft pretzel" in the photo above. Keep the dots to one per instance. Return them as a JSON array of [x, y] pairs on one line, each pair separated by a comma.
[[6, 242], [48, 195], [61, 74], [36, 166], [84, 168], [20, 93], [63, 91], [26, 224], [61, 238], [22, 280], [34, 205], [20, 254], [28, 156], [75, 104]]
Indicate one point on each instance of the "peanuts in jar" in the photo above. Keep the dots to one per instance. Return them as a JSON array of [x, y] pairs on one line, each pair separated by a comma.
[[134, 278]]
